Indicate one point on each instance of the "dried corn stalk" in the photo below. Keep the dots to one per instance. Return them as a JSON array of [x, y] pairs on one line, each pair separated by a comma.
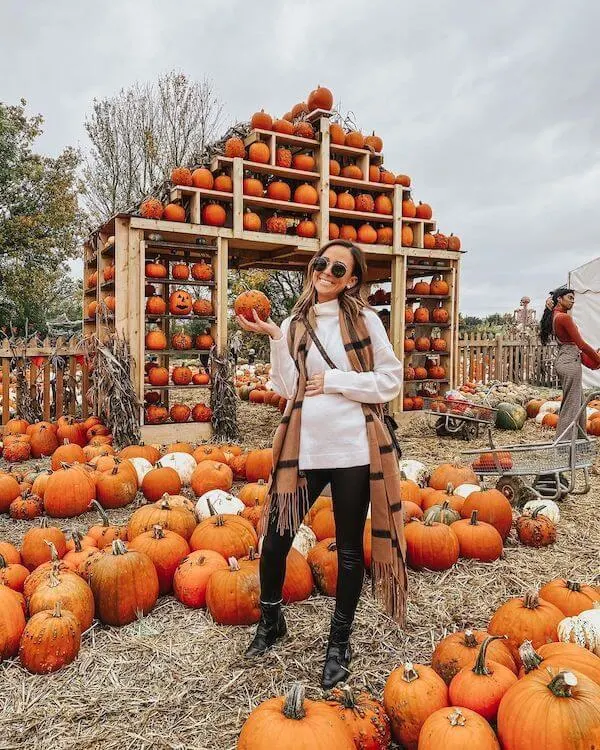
[[223, 398], [112, 387]]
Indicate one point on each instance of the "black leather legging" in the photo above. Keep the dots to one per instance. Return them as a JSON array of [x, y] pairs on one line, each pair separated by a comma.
[[350, 494]]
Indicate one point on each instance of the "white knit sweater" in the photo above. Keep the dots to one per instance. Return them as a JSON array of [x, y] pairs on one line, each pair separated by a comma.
[[333, 433]]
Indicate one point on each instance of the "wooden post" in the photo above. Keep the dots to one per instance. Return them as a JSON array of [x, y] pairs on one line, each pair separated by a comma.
[[322, 218], [398, 295], [238, 199], [499, 350], [221, 294]]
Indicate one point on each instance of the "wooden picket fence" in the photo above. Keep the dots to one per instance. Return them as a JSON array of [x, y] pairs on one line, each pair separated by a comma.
[[54, 372], [488, 357]]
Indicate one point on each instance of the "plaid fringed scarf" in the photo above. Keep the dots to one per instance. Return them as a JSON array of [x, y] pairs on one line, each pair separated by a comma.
[[288, 494]]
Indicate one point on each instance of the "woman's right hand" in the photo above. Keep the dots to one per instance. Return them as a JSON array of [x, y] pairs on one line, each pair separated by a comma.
[[260, 326]]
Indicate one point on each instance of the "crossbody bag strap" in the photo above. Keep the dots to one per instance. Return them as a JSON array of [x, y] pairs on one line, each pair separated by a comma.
[[312, 333]]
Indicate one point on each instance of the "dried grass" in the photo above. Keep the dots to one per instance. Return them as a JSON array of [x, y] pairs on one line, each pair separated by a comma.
[[176, 680]]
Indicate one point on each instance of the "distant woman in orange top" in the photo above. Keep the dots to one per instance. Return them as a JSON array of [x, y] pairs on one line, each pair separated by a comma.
[[573, 351]]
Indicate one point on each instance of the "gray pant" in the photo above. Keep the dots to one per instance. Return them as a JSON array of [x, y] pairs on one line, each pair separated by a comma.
[[568, 367]]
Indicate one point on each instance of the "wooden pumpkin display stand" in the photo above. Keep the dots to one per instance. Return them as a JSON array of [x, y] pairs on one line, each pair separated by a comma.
[[116, 286]]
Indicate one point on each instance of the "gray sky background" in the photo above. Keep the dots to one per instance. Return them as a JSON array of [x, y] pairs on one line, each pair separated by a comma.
[[492, 108]]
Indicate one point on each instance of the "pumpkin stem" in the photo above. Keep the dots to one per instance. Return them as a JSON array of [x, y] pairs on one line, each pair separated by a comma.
[[118, 547], [534, 513], [531, 599], [43, 522], [76, 537], [293, 707], [470, 639], [53, 550], [347, 698], [474, 521], [234, 566], [252, 554], [3, 563], [57, 609], [165, 505], [561, 684], [573, 586], [529, 656], [449, 488], [211, 507], [53, 579], [410, 673], [101, 512], [157, 532], [480, 667], [457, 718]]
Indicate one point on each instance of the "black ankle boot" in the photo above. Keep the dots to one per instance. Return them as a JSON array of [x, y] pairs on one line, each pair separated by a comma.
[[338, 654], [271, 627]]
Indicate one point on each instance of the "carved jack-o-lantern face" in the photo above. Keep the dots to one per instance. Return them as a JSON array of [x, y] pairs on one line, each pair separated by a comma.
[[180, 303]]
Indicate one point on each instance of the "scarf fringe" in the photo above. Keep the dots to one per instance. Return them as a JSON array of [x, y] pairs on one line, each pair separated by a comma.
[[290, 507], [389, 590]]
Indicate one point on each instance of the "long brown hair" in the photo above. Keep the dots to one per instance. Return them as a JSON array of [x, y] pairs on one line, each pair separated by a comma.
[[352, 300]]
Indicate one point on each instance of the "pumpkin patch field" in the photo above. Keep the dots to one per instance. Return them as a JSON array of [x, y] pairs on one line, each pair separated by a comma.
[[141, 607]]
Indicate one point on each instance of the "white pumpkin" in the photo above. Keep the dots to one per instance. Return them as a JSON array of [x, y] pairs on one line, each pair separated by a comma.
[[583, 630], [550, 407], [550, 509], [464, 490], [415, 471], [304, 540], [142, 466], [221, 502], [539, 417], [183, 463]]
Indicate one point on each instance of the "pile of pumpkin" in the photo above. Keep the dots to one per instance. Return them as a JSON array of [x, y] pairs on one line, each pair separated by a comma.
[[449, 515], [535, 672], [22, 440], [296, 123], [545, 413]]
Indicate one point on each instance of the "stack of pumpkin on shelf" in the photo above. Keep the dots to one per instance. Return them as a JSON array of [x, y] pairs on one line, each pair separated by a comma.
[[108, 301], [300, 155]]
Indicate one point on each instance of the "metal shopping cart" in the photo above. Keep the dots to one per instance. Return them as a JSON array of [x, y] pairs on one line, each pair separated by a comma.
[[460, 418], [554, 467]]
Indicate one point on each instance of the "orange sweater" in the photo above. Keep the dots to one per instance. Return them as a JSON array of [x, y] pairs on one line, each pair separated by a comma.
[[567, 333]]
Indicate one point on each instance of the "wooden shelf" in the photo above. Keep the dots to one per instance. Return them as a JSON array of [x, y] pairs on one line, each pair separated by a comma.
[[427, 296], [288, 140], [357, 215], [206, 249], [110, 250], [414, 220], [425, 270], [182, 353], [178, 282], [292, 174], [289, 206], [107, 285], [428, 353], [191, 387], [170, 423], [219, 195], [190, 318], [428, 380], [361, 185], [351, 151], [90, 291], [428, 325], [91, 262]]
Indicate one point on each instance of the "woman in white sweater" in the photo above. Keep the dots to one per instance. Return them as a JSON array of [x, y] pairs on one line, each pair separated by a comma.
[[334, 363]]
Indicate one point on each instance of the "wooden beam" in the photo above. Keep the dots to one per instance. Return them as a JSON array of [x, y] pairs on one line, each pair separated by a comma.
[[220, 294], [398, 297]]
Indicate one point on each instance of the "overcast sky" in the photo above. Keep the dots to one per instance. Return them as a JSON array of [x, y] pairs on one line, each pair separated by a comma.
[[492, 108]]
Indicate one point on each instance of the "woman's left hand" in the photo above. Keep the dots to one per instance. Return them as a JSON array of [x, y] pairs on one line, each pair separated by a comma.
[[315, 384]]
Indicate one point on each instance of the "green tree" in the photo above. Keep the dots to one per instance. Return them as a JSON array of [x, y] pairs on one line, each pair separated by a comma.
[[40, 220]]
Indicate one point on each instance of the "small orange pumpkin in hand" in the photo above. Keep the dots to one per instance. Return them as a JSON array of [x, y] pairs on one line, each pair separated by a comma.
[[251, 300]]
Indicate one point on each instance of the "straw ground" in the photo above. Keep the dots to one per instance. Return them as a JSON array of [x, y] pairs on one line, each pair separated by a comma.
[[176, 680]]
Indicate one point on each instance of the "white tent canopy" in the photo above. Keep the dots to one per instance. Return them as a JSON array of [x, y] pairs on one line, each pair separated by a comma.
[[585, 280]]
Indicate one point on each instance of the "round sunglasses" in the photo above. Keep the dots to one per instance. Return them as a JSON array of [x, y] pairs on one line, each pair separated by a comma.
[[338, 269]]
